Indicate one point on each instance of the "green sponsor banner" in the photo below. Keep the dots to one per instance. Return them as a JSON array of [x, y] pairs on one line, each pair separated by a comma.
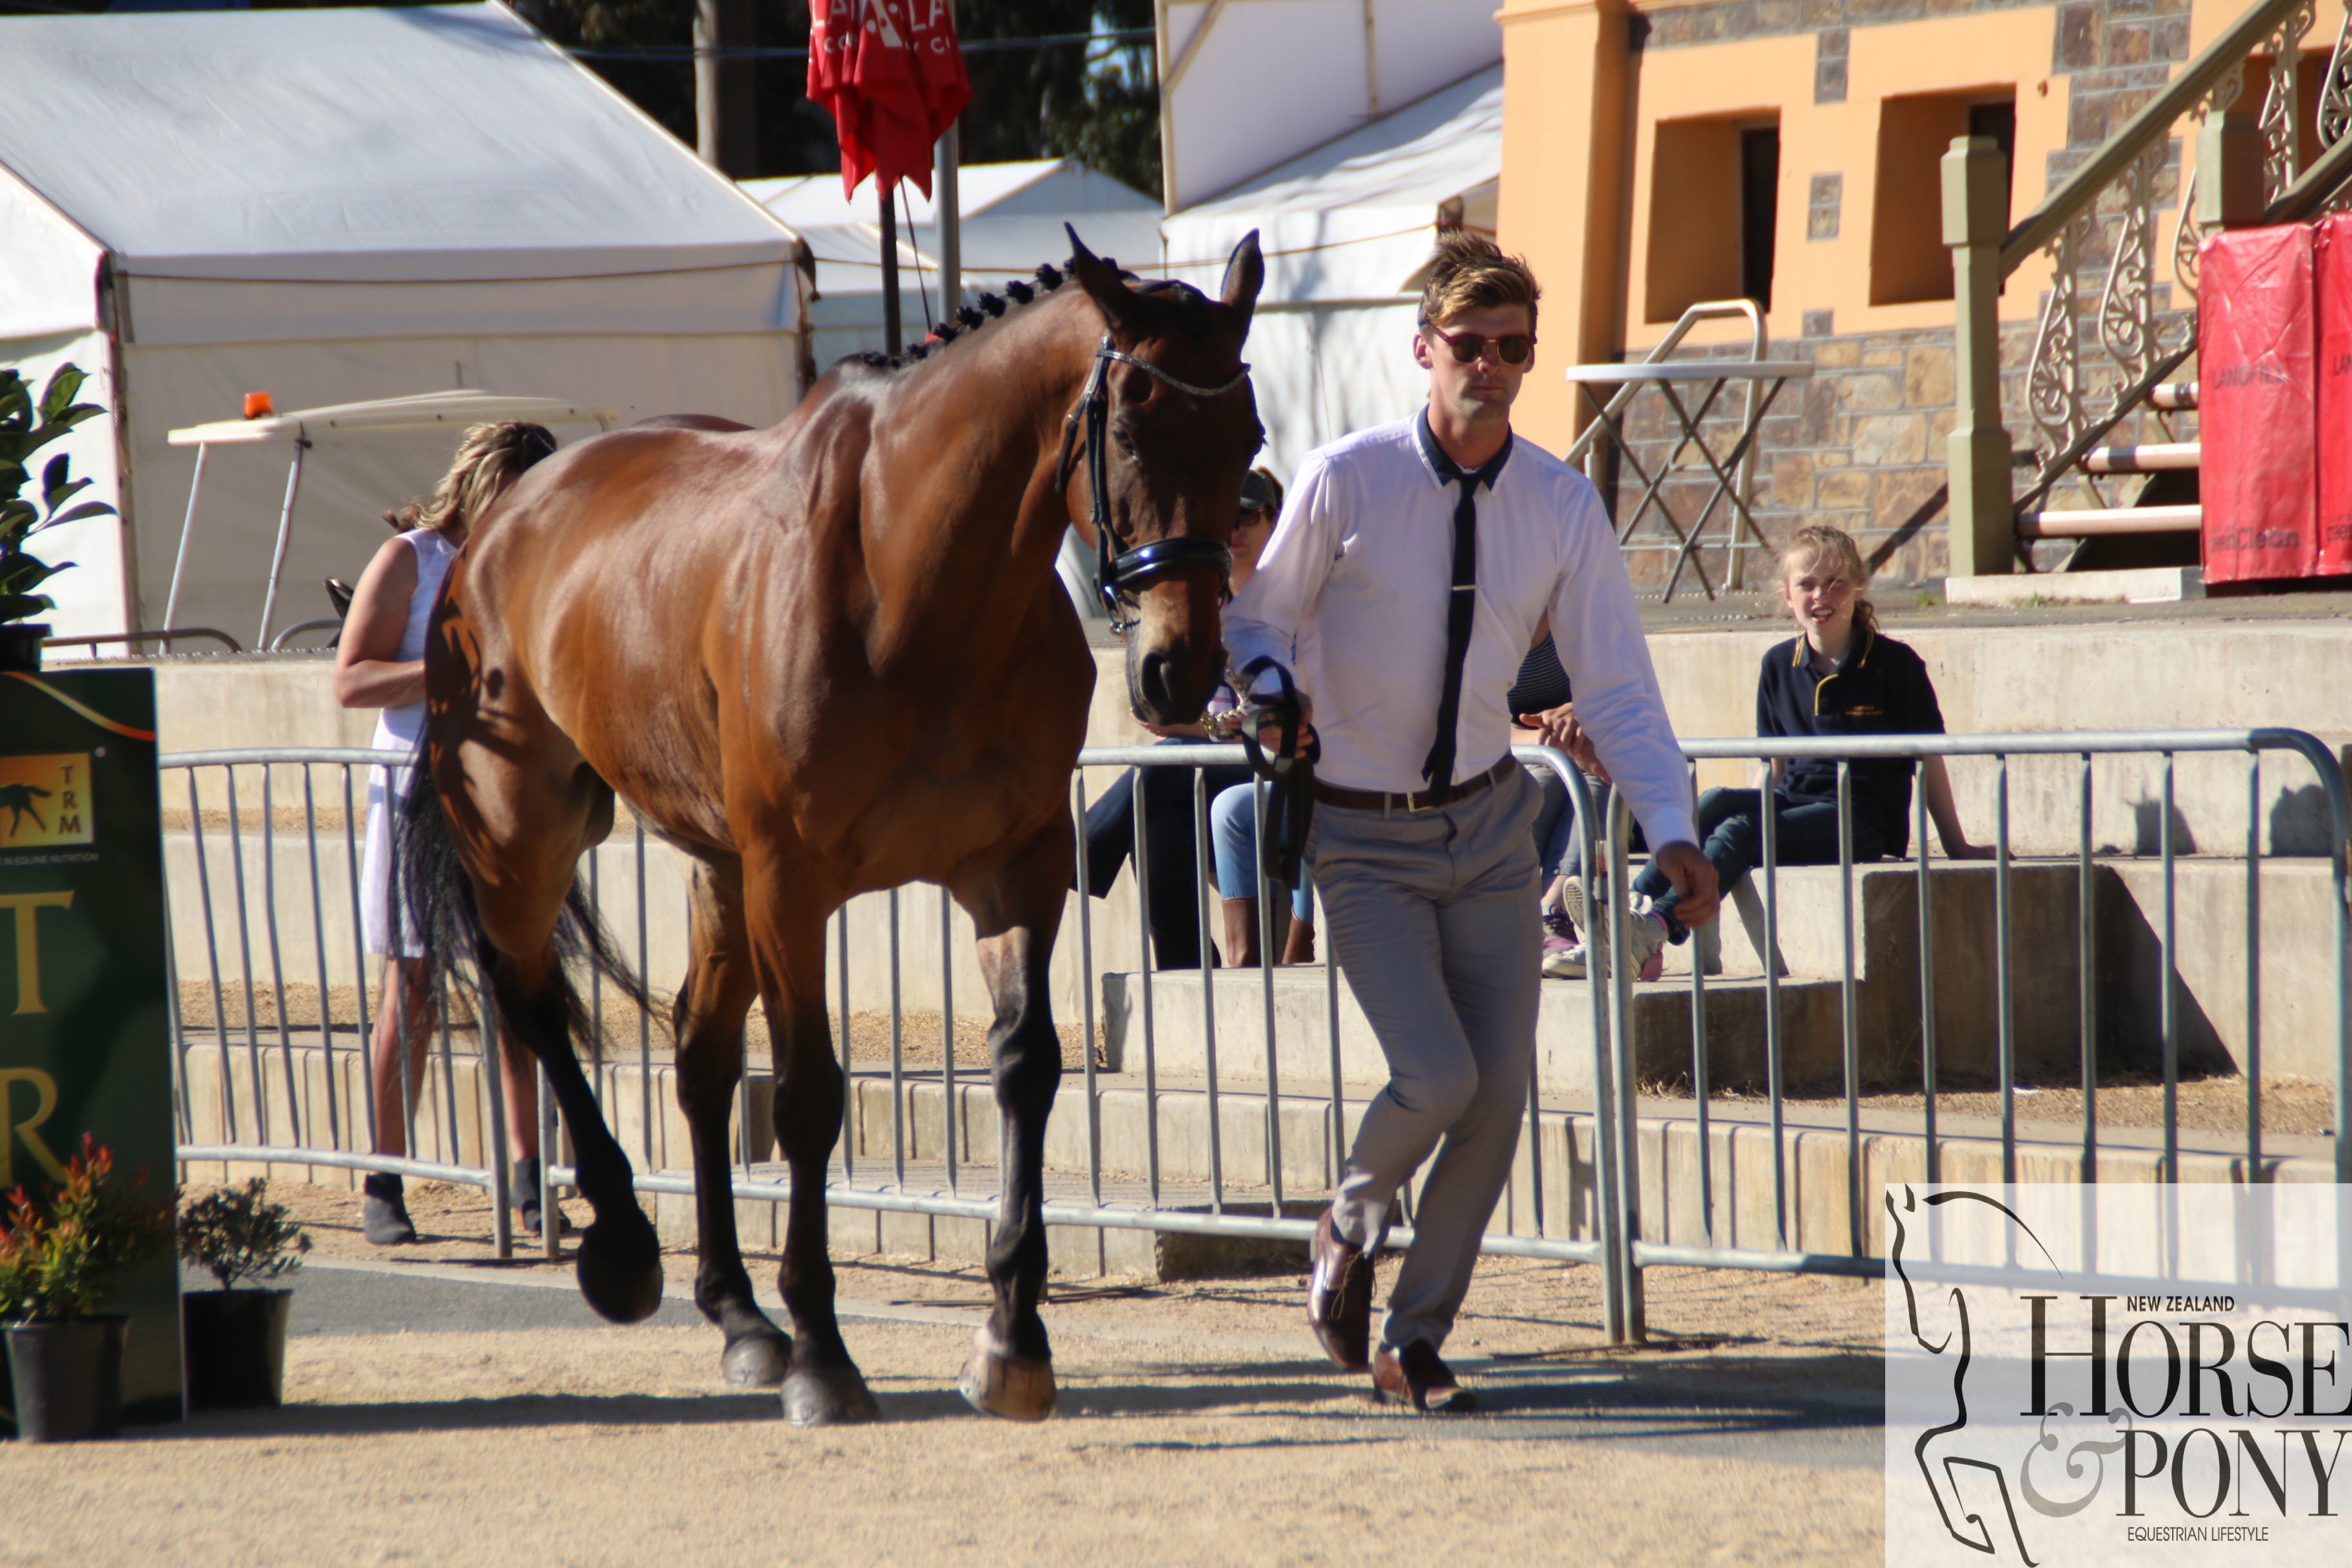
[[85, 1027]]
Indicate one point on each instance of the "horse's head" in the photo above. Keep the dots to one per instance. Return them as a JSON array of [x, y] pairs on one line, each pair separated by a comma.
[[1166, 427]]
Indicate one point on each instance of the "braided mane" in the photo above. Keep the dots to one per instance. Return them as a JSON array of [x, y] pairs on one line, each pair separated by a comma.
[[970, 318]]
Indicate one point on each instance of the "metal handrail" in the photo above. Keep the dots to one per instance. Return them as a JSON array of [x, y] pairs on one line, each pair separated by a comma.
[[2225, 54]]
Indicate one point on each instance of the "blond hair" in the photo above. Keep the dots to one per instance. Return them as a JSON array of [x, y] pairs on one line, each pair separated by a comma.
[[1821, 541], [1470, 272], [489, 458]]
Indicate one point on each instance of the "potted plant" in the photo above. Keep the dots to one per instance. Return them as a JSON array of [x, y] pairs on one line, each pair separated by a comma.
[[26, 426], [235, 1340], [61, 1259]]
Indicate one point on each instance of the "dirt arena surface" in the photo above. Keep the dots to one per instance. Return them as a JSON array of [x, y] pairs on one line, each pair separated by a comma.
[[444, 1408]]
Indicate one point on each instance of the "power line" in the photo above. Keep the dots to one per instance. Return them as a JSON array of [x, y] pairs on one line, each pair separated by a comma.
[[1126, 37]]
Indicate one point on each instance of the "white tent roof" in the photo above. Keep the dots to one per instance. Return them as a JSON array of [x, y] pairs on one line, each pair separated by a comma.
[[236, 165], [1353, 220], [1012, 216]]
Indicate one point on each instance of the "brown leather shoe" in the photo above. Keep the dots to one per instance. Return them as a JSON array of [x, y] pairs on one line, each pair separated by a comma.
[[1339, 1298], [1415, 1375]]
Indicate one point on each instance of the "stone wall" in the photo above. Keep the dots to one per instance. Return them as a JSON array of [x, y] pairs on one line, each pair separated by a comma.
[[1862, 445]]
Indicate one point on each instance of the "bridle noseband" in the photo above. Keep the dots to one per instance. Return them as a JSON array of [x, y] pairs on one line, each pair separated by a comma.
[[1123, 570]]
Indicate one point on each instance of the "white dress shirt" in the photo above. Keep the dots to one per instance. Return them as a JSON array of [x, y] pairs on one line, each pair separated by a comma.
[[1351, 595]]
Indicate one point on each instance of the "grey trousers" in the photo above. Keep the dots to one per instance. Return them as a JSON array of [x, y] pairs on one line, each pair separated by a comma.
[[1431, 919]]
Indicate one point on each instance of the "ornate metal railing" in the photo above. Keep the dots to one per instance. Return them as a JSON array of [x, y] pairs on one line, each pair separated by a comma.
[[2101, 229]]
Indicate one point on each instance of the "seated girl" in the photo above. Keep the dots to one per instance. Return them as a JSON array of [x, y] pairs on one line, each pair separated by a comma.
[[1842, 677]]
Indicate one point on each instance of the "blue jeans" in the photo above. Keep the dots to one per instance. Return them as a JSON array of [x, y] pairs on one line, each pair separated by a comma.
[[1233, 829], [1731, 835]]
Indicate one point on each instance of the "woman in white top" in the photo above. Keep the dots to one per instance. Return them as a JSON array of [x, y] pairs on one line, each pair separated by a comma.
[[380, 663]]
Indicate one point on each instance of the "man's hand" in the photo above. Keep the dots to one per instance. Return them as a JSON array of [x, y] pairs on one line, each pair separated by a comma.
[[1269, 726], [1558, 727], [1693, 874]]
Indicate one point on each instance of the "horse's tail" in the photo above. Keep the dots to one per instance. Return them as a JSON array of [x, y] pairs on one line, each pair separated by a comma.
[[438, 898]]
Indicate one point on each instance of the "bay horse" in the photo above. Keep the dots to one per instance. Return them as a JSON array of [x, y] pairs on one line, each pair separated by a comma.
[[822, 659]]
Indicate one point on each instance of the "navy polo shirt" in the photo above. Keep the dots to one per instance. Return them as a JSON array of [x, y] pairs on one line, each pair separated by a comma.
[[1881, 688]]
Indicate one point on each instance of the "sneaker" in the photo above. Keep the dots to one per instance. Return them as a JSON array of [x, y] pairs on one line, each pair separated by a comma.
[[1645, 945], [1569, 963], [1558, 935], [1573, 901]]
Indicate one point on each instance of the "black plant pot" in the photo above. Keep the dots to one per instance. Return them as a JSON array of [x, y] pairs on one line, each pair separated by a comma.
[[68, 1378], [20, 647], [236, 1347]]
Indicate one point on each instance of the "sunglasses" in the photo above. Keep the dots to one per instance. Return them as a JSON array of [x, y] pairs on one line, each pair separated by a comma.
[[1511, 348]]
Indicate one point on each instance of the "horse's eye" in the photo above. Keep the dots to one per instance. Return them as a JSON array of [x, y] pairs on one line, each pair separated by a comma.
[[1124, 440]]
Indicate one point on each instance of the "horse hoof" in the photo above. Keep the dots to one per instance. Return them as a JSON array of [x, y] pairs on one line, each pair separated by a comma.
[[997, 1382], [828, 1396], [757, 1360], [620, 1270]]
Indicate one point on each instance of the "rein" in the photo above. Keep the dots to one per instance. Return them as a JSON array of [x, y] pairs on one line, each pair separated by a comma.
[[1122, 572], [1290, 806]]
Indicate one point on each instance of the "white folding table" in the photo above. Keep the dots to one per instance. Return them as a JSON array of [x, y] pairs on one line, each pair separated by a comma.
[[456, 409], [1764, 380]]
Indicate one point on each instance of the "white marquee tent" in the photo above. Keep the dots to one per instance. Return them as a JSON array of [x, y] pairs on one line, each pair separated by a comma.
[[335, 207], [1347, 229]]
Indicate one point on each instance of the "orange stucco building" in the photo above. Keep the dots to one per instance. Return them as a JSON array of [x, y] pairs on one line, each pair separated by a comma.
[[1788, 151]]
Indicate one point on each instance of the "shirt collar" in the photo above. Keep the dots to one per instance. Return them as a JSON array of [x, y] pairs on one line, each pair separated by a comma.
[[1443, 470], [1856, 656]]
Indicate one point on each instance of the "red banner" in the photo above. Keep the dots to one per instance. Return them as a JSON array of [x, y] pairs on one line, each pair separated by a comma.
[[892, 74], [2334, 264], [2258, 343]]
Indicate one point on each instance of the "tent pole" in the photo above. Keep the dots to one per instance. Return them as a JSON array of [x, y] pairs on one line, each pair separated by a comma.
[[890, 341], [950, 208], [180, 562], [285, 526]]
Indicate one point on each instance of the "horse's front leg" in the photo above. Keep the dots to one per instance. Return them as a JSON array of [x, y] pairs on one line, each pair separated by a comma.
[[708, 1028], [787, 929], [1017, 911]]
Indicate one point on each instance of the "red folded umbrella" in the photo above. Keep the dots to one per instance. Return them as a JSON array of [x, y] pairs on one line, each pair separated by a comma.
[[892, 74]]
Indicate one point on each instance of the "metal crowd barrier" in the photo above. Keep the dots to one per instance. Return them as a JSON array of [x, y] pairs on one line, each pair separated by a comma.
[[301, 1109]]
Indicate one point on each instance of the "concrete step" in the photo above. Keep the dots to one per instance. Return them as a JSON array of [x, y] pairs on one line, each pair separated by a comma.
[[2124, 585], [1181, 1039]]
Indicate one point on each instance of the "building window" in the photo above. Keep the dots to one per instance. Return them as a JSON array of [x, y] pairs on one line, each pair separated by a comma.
[[1714, 201], [1908, 259]]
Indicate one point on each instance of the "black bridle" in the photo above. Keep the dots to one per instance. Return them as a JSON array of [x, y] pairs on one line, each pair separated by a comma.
[[1123, 571]]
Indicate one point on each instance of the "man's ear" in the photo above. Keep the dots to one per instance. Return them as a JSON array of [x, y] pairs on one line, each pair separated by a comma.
[[1421, 354], [1103, 286]]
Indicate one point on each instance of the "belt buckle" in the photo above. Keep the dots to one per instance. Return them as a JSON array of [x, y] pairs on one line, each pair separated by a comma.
[[1427, 799]]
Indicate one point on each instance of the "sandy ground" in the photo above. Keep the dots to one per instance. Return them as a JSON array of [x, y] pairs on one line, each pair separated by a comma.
[[1196, 1426]]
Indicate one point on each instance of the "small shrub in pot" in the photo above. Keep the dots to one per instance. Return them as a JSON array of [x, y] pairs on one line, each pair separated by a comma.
[[61, 1255], [236, 1339]]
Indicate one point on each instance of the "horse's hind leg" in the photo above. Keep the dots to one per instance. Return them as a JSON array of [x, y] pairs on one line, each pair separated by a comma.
[[824, 1386], [708, 1024], [1018, 911]]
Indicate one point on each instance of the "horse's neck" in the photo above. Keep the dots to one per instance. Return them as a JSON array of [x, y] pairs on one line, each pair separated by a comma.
[[962, 523]]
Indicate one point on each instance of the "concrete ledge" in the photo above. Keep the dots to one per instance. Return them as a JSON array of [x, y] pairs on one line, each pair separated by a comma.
[[2136, 586]]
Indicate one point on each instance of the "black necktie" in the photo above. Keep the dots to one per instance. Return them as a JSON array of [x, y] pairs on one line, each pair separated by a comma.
[[1460, 599]]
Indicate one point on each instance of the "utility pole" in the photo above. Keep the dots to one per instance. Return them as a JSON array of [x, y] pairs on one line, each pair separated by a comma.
[[726, 89]]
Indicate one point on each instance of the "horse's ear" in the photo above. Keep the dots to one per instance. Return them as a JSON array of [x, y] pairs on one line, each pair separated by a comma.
[[1244, 275], [1102, 282]]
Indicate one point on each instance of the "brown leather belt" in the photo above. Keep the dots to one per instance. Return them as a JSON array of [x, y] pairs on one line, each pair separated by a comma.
[[1412, 802]]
